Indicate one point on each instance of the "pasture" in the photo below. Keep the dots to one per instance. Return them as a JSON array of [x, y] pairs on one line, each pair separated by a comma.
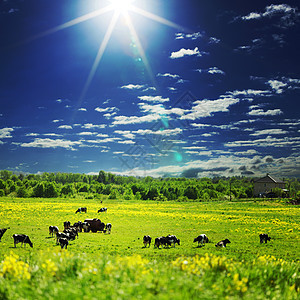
[[120, 267]]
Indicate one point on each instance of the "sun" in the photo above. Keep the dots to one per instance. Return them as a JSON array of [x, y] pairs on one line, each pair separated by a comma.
[[122, 6]]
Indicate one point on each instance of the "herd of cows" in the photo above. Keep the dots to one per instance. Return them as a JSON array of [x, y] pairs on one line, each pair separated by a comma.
[[70, 233]]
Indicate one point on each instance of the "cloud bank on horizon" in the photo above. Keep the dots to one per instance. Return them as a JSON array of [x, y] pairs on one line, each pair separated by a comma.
[[220, 98]]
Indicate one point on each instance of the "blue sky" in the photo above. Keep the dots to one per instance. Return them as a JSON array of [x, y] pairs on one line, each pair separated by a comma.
[[158, 88]]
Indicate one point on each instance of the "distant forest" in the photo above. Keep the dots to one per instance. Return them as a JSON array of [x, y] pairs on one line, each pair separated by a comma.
[[52, 185]]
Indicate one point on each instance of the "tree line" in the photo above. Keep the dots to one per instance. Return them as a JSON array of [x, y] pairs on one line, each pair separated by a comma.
[[52, 185]]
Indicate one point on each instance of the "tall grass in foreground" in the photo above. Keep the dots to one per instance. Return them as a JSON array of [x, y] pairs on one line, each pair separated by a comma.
[[63, 275]]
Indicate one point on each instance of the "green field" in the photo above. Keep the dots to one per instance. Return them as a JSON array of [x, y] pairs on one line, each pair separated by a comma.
[[116, 265]]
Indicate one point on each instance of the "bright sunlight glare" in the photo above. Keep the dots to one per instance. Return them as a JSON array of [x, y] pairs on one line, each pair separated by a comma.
[[121, 6]]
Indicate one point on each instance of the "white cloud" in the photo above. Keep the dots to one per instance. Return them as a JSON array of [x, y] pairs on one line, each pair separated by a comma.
[[174, 76], [50, 143], [87, 133], [277, 86], [107, 109], [82, 109], [6, 133], [269, 132], [126, 133], [206, 108], [212, 71], [190, 36], [166, 132], [153, 98], [65, 127], [185, 52], [122, 120], [127, 142], [261, 112], [92, 126], [133, 86]]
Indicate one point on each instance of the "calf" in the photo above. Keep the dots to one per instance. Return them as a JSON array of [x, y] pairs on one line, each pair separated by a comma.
[[202, 238], [81, 209], [53, 230], [103, 209], [108, 228], [147, 240], [2, 231], [63, 243], [172, 239], [22, 238], [223, 243], [264, 238]]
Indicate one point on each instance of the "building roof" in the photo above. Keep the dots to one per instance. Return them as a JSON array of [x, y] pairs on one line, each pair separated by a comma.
[[268, 179]]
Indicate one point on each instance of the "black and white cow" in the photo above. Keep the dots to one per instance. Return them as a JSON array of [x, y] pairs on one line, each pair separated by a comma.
[[201, 239], [103, 209], [264, 238], [223, 243], [81, 209], [53, 230], [108, 228], [2, 231], [86, 226], [63, 243], [72, 231], [172, 239], [147, 240], [22, 238], [67, 225]]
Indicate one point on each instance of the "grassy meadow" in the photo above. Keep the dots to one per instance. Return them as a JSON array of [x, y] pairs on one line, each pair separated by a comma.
[[117, 266]]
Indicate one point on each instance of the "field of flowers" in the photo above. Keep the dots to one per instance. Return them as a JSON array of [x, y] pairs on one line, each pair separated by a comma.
[[117, 266]]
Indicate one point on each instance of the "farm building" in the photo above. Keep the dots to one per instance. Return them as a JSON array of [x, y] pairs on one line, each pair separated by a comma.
[[265, 185]]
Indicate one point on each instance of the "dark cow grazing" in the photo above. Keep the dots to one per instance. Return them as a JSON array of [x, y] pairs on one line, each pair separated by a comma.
[[22, 238], [201, 239], [108, 228], [103, 209], [264, 238], [67, 225], [81, 209], [53, 230], [63, 243], [2, 231], [147, 240], [172, 239], [162, 241], [223, 243], [95, 225]]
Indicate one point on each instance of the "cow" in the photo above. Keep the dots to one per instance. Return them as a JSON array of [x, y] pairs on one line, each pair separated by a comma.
[[147, 240], [264, 238], [67, 225], [172, 239], [63, 243], [202, 238], [163, 241], [2, 231], [72, 230], [223, 243], [81, 209], [108, 228], [53, 229], [78, 225], [86, 226], [22, 238], [95, 225], [103, 209]]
